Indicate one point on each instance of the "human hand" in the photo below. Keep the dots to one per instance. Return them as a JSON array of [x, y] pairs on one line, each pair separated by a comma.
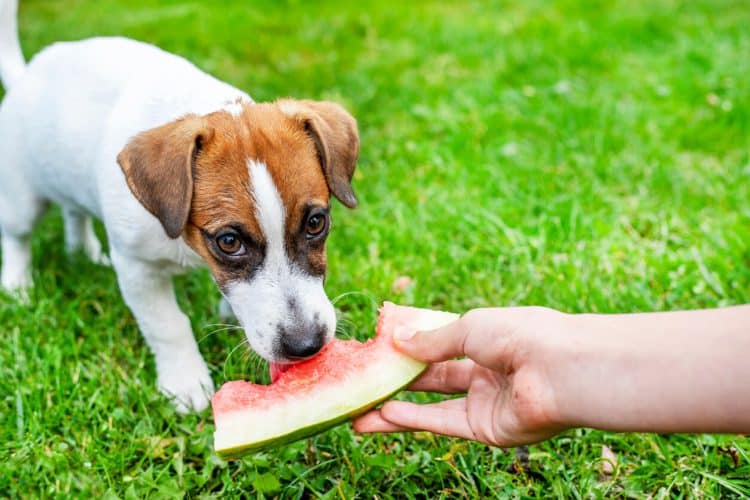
[[509, 358]]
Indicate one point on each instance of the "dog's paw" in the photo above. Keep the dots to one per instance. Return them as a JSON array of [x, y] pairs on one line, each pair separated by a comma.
[[187, 383]]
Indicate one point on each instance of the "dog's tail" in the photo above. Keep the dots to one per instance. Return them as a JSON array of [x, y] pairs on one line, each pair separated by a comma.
[[12, 64]]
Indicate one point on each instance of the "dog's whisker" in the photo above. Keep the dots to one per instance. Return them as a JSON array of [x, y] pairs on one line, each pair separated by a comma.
[[344, 324], [341, 333], [246, 355], [352, 293], [221, 324], [345, 328], [226, 361], [228, 327], [214, 332], [346, 321], [256, 365]]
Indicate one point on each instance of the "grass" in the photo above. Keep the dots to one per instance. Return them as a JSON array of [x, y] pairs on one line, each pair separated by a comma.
[[580, 155]]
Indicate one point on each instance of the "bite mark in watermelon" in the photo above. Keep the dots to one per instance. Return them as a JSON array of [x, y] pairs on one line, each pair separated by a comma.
[[344, 380]]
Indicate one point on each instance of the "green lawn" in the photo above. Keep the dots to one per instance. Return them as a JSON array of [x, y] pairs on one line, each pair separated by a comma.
[[585, 156]]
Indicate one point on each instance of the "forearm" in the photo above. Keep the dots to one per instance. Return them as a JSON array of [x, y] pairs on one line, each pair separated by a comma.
[[686, 371]]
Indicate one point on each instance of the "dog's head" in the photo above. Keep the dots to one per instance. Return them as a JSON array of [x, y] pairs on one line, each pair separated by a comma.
[[249, 190]]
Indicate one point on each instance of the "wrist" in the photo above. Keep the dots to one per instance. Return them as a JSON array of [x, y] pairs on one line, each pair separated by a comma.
[[588, 362], [554, 355]]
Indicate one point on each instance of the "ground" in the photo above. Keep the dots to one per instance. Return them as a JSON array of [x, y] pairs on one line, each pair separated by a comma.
[[586, 156]]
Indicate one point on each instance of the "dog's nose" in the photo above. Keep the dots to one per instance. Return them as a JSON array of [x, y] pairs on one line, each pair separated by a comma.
[[298, 345]]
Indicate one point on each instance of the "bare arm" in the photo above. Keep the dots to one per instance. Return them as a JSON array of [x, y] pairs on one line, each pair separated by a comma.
[[686, 371]]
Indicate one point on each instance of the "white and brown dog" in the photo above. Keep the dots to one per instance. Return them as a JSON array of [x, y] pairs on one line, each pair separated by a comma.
[[183, 170]]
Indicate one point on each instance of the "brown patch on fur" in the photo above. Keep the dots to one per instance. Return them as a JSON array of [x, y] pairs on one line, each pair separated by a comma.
[[334, 133], [222, 187], [158, 163], [192, 174]]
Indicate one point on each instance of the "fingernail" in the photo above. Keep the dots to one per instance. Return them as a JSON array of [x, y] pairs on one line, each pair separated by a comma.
[[403, 334]]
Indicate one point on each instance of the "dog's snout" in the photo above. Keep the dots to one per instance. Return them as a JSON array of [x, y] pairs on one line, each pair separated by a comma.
[[301, 343], [300, 349]]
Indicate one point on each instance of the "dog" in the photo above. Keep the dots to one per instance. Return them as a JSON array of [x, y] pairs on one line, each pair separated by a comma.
[[183, 170]]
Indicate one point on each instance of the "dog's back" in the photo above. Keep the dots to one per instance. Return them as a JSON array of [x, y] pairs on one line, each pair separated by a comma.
[[65, 117], [76, 104]]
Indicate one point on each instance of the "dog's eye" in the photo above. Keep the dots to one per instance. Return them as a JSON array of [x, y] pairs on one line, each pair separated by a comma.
[[316, 225], [230, 244]]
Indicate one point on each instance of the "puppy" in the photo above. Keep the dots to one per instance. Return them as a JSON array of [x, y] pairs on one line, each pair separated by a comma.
[[183, 170]]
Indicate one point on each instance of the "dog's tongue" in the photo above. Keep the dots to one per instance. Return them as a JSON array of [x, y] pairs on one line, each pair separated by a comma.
[[276, 369]]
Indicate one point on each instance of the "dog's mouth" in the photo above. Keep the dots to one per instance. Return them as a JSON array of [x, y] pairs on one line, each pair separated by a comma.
[[276, 369]]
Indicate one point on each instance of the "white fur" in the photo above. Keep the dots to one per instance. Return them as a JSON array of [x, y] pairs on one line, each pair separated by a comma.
[[16, 276], [262, 304], [11, 58], [80, 235], [63, 121], [234, 108], [269, 212], [290, 107]]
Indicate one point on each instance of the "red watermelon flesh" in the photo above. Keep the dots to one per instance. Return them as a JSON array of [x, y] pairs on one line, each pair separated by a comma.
[[276, 369], [345, 379]]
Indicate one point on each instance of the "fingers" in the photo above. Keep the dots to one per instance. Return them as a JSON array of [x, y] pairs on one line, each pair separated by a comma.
[[435, 345], [476, 335], [448, 377], [373, 421], [448, 418], [483, 335]]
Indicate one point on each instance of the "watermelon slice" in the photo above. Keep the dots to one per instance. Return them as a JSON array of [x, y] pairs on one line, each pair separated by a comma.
[[346, 379]]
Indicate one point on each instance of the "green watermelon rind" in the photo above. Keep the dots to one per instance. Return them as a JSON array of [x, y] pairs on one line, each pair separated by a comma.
[[310, 430]]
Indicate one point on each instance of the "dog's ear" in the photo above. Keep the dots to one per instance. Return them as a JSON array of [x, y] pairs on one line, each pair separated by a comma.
[[334, 132], [158, 167]]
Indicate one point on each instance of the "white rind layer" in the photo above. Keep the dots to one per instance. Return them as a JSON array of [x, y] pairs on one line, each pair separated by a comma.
[[386, 372], [313, 407]]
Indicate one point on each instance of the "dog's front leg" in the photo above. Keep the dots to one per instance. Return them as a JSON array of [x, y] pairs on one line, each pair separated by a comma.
[[148, 291]]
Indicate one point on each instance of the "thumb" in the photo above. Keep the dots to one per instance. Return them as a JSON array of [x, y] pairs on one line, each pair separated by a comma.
[[441, 344]]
